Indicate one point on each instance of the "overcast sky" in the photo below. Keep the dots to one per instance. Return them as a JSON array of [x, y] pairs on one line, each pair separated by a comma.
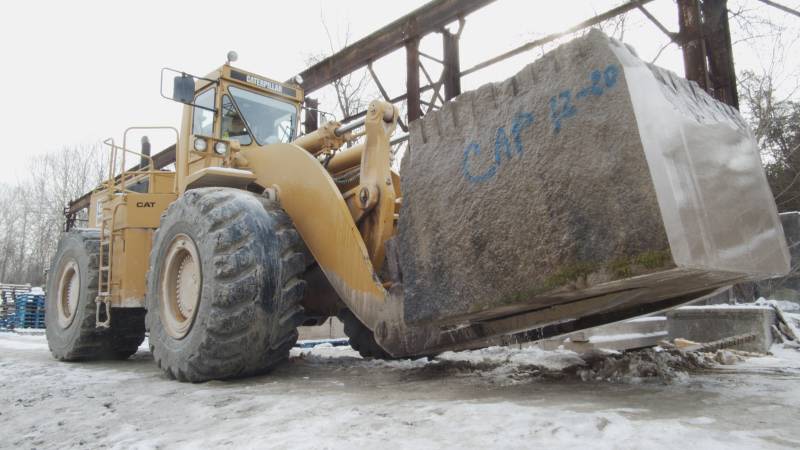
[[75, 72]]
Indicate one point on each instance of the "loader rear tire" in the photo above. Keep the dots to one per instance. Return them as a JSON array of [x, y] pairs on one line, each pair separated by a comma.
[[362, 339], [70, 306], [236, 312]]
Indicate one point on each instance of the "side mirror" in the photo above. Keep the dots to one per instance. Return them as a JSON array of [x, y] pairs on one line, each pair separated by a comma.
[[183, 89]]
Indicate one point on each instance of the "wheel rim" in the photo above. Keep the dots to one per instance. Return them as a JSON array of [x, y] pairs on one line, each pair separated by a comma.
[[181, 283], [69, 288]]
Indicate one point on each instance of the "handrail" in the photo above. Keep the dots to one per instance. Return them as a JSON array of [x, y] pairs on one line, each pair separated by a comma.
[[112, 161], [123, 173], [111, 245], [123, 176]]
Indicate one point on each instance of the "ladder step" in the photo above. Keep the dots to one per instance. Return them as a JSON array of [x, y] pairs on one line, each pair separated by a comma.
[[105, 267]]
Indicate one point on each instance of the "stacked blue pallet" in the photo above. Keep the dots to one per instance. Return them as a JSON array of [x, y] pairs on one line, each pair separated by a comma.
[[8, 316], [29, 311]]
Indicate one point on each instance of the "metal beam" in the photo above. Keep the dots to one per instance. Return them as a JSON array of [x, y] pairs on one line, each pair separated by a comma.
[[423, 20], [672, 36], [393, 100], [785, 9], [385, 95], [621, 9], [436, 95]]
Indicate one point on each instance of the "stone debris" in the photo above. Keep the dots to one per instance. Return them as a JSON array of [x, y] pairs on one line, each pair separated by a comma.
[[653, 363], [664, 364], [727, 357], [681, 343]]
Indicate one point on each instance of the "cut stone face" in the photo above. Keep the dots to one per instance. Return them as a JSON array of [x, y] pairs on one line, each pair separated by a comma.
[[587, 173]]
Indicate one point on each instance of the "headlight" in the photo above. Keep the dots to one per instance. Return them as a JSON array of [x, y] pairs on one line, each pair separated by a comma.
[[221, 148], [200, 144]]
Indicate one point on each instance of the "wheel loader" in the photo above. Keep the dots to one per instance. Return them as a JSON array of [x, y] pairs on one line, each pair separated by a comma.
[[589, 188]]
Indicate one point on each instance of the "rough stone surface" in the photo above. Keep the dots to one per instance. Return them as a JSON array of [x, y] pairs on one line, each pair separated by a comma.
[[587, 173], [506, 197], [712, 323]]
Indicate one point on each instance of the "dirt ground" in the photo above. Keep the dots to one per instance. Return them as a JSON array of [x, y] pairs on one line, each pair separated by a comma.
[[328, 397]]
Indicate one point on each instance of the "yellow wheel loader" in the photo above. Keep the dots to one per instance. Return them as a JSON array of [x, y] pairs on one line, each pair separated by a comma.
[[589, 188]]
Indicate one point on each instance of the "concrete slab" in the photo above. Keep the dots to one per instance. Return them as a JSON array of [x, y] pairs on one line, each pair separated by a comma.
[[630, 334], [711, 323]]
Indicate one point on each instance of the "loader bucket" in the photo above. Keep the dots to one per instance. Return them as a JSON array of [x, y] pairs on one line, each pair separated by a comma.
[[587, 184]]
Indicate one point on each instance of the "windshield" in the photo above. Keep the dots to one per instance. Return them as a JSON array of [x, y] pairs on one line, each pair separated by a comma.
[[269, 120], [233, 126]]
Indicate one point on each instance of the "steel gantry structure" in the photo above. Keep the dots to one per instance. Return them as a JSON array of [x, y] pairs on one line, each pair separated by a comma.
[[703, 36]]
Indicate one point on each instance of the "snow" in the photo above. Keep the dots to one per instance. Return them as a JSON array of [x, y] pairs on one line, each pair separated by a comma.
[[783, 305], [13, 341], [328, 397], [528, 356]]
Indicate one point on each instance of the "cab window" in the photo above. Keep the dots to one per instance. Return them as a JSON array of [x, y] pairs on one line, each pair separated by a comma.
[[233, 126], [268, 119], [203, 119]]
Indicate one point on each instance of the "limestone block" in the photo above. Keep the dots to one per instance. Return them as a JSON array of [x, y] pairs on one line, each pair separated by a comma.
[[587, 173]]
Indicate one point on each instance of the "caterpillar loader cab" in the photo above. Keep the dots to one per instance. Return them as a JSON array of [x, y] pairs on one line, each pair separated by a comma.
[[614, 189]]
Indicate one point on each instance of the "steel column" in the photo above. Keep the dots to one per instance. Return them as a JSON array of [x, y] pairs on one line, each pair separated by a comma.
[[719, 51], [412, 80], [452, 65], [692, 42]]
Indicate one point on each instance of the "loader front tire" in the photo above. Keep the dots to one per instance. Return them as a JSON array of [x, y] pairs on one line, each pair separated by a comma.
[[70, 305], [362, 339], [223, 293]]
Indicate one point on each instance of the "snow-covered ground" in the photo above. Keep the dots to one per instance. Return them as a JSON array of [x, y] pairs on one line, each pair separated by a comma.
[[328, 397]]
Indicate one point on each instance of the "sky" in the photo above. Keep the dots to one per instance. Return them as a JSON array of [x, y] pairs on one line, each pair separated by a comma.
[[78, 72]]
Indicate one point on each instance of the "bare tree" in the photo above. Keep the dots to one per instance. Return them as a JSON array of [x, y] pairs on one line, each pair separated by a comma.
[[32, 224], [352, 89], [614, 27], [776, 125]]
